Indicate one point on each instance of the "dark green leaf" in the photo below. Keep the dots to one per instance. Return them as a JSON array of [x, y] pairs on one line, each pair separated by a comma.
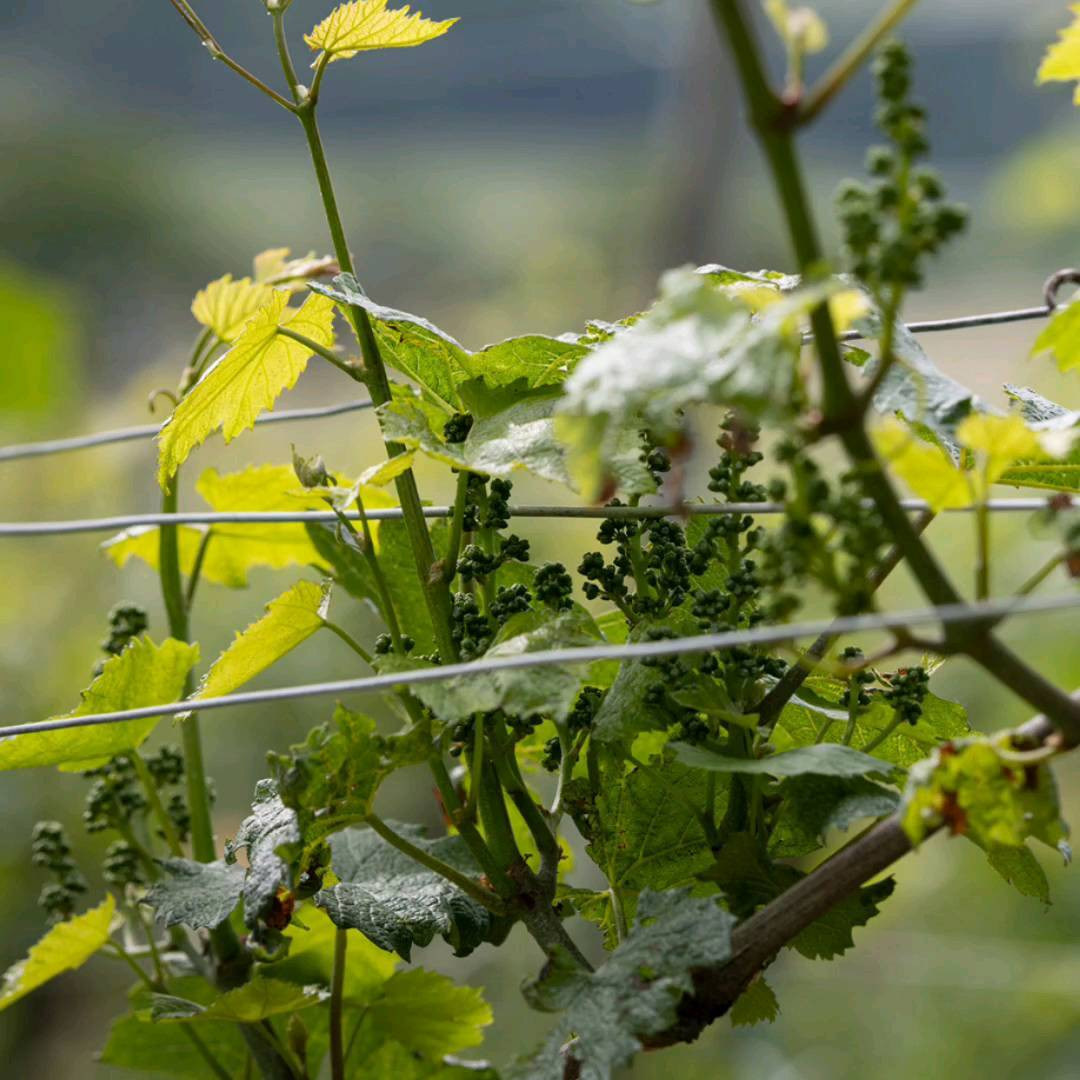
[[811, 805], [831, 934], [645, 831], [342, 551], [634, 994], [199, 895], [330, 780], [397, 903], [756, 1005], [1019, 867]]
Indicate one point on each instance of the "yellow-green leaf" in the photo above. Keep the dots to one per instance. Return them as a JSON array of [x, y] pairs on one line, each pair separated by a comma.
[[290, 619], [926, 469], [246, 380], [225, 305], [67, 946], [430, 1014], [367, 24], [1062, 60], [143, 674], [1061, 337], [998, 441], [222, 564]]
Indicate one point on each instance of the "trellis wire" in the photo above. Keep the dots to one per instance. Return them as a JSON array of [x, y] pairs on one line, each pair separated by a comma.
[[989, 610], [394, 513], [104, 438], [147, 431]]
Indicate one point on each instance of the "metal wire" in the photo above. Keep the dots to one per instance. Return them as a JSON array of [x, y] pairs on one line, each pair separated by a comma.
[[104, 438], [989, 610], [147, 431], [121, 522]]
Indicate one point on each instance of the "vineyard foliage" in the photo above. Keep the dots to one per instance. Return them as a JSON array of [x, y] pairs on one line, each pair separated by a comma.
[[697, 790]]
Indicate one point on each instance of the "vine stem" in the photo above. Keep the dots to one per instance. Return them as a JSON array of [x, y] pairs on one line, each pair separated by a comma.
[[465, 883], [154, 798], [851, 60], [337, 997], [771, 122], [436, 592], [342, 365]]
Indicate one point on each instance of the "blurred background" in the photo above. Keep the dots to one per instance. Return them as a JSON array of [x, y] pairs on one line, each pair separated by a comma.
[[539, 166]]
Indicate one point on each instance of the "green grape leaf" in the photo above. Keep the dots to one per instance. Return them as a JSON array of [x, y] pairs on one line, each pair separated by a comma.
[[342, 551], [548, 691], [395, 902], [531, 361], [367, 24], [232, 550], [331, 778], [1044, 416], [975, 789], [520, 436], [698, 344], [430, 1014], [143, 674], [383, 1059], [225, 305], [815, 708], [255, 1001], [310, 959], [409, 344], [824, 759], [246, 380], [1062, 60], [916, 390], [811, 805], [645, 831], [633, 995], [269, 828], [289, 620], [448, 375], [1019, 867], [757, 1004], [166, 1050], [67, 946], [199, 895], [831, 935]]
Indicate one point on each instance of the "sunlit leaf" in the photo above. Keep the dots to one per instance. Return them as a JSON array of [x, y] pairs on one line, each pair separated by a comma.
[[68, 945], [246, 380], [1062, 60], [927, 469], [289, 620], [143, 674], [225, 305], [430, 1014], [367, 24]]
